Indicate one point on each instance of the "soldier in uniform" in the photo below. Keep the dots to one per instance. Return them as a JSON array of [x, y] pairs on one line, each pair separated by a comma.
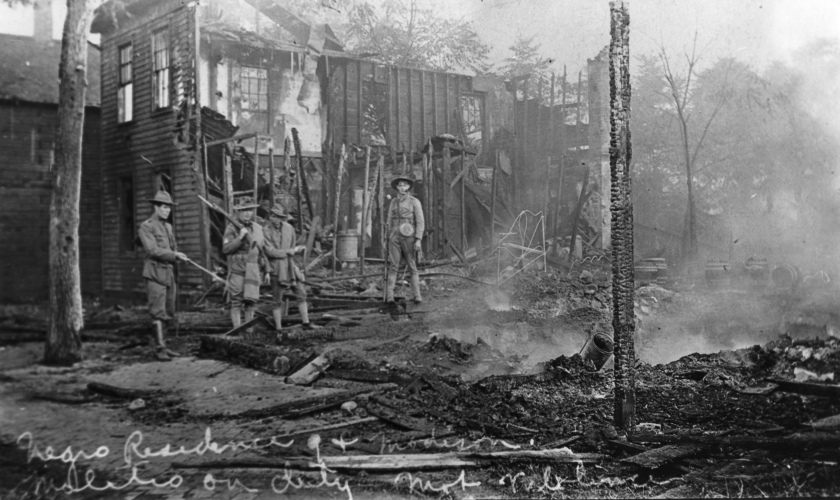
[[280, 246], [405, 232], [243, 249], [161, 252]]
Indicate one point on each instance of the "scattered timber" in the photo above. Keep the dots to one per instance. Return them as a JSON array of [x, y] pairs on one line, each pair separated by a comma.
[[799, 441], [408, 462], [119, 392], [825, 391], [652, 459]]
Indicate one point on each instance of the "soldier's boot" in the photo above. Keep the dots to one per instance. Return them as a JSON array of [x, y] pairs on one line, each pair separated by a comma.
[[236, 316], [157, 339], [303, 307], [249, 315], [392, 282], [278, 318], [415, 286], [165, 332], [279, 335]]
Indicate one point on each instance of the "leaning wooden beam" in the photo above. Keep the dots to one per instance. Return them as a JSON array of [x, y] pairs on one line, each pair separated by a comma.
[[235, 138], [825, 391]]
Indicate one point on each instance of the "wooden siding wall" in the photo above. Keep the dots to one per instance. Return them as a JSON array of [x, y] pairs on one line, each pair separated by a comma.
[[147, 146], [27, 134], [421, 104]]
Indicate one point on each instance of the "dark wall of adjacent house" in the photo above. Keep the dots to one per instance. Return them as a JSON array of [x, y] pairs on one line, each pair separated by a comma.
[[27, 133]]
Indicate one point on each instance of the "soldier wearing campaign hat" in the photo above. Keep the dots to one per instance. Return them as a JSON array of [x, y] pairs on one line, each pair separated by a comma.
[[280, 247], [405, 233], [161, 253], [243, 248]]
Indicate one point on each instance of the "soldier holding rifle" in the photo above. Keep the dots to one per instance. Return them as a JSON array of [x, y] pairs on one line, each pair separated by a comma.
[[243, 245], [158, 273], [280, 247]]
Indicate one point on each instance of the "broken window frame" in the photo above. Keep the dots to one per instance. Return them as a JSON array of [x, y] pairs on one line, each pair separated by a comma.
[[472, 112], [125, 83], [246, 76], [161, 74], [126, 206]]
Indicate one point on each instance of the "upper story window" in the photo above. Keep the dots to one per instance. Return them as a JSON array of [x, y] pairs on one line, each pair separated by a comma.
[[125, 93], [160, 69], [254, 85]]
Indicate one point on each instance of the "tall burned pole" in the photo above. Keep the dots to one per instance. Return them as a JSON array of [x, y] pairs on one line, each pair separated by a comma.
[[621, 208]]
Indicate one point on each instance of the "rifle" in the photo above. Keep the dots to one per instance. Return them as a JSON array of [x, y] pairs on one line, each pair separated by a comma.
[[230, 218], [233, 220], [238, 225]]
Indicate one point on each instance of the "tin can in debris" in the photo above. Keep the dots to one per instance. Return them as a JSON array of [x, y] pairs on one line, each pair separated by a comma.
[[598, 349]]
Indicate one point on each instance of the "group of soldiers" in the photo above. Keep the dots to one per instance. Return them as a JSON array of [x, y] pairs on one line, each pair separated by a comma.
[[253, 249]]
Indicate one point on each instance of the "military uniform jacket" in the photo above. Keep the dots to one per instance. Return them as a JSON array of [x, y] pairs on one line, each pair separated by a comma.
[[241, 251], [159, 243], [279, 244], [407, 210]]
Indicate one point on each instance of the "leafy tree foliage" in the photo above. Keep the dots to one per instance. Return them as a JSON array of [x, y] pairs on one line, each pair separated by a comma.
[[404, 33], [753, 141]]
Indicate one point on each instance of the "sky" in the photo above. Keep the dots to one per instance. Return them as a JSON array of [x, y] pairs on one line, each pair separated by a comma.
[[572, 31]]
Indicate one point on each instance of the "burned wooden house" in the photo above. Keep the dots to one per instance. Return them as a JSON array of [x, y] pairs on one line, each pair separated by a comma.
[[202, 100]]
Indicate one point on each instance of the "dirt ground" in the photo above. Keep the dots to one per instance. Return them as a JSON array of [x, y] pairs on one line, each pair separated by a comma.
[[475, 369]]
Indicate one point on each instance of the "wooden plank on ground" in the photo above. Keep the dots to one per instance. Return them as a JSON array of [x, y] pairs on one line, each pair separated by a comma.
[[404, 421], [405, 462], [799, 441], [652, 459], [825, 391]]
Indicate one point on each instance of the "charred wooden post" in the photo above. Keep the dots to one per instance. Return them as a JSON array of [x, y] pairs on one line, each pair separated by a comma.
[[558, 213], [584, 194], [493, 201], [302, 186], [547, 202], [287, 167], [445, 205], [298, 173], [577, 117], [622, 217], [271, 177], [365, 201], [256, 169], [337, 206], [463, 201], [426, 191], [383, 231], [226, 160]]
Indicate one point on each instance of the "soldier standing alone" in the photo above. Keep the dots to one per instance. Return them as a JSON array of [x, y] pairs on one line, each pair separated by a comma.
[[405, 232], [161, 252]]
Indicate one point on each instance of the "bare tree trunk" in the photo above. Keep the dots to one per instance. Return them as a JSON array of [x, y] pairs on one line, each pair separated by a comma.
[[63, 344], [622, 219], [691, 251]]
